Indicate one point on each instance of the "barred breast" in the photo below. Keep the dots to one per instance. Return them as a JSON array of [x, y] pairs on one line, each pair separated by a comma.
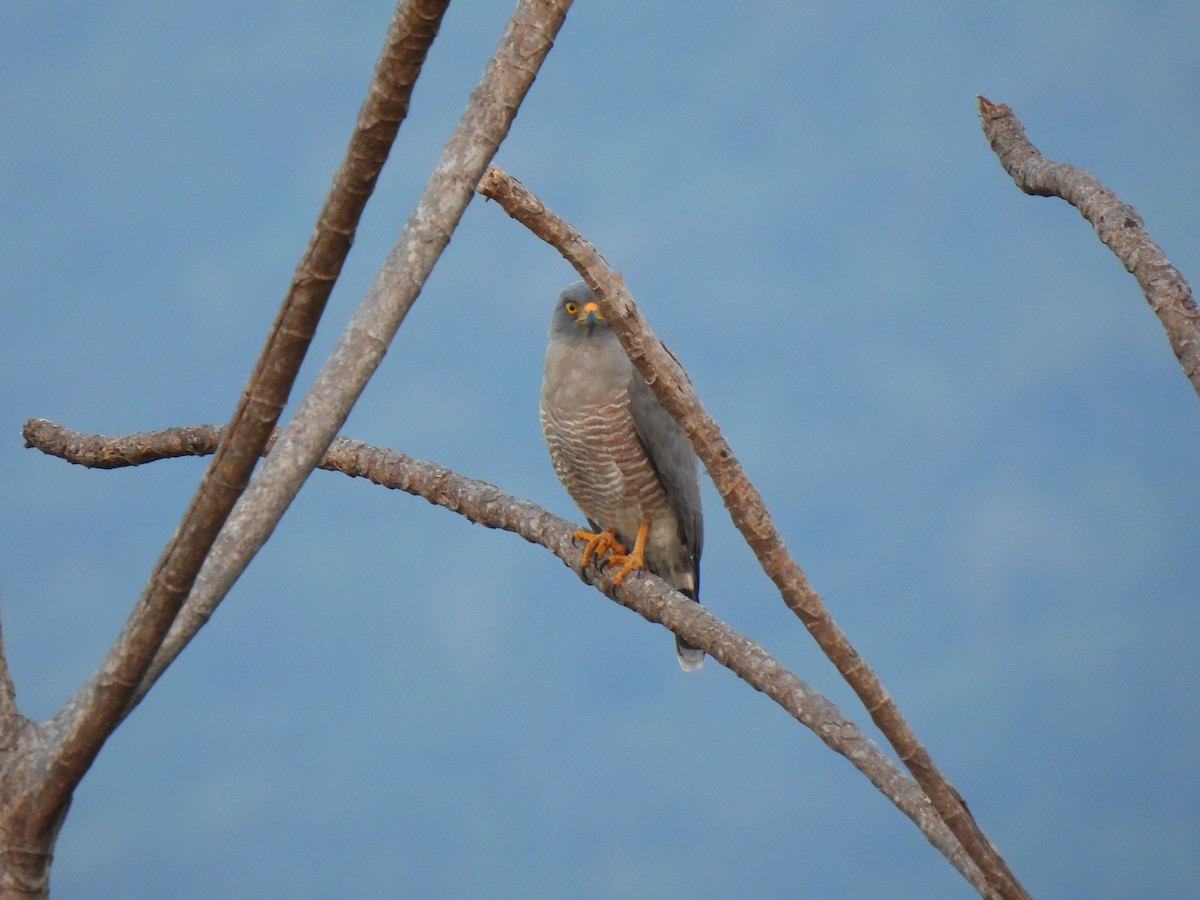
[[601, 461]]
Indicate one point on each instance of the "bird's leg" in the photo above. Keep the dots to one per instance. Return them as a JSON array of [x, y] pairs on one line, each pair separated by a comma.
[[598, 545], [631, 561]]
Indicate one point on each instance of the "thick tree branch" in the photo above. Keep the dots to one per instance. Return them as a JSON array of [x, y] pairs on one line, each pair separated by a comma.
[[1117, 224], [483, 125], [80, 728], [748, 511], [647, 595]]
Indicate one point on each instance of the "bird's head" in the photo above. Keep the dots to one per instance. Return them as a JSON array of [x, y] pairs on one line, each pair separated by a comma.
[[577, 314]]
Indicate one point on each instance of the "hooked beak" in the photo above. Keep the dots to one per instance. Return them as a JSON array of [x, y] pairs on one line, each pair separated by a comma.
[[590, 314]]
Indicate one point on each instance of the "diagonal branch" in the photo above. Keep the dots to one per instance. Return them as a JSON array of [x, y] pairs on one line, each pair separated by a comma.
[[1117, 224], [647, 595], [359, 350], [80, 728], [748, 512]]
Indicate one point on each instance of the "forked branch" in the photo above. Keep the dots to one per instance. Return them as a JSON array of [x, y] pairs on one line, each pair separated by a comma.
[[480, 130], [77, 731], [44, 762]]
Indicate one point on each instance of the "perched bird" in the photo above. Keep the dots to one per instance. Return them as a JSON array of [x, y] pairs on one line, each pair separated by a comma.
[[622, 458]]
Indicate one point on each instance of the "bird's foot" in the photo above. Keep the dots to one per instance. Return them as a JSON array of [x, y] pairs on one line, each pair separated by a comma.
[[601, 545], [630, 562]]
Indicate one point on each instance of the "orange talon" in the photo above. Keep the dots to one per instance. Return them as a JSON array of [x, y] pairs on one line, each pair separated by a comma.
[[598, 545], [632, 561]]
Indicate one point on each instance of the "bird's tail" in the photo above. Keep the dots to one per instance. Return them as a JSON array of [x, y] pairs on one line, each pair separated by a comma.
[[690, 658]]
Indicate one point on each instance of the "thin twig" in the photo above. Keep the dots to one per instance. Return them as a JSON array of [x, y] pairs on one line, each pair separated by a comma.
[[748, 512], [648, 596], [85, 721], [1117, 224]]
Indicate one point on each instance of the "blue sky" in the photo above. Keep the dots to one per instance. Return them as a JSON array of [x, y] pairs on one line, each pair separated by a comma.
[[969, 427]]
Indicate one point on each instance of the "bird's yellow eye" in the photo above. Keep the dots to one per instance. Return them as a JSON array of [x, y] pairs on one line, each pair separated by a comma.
[[571, 307]]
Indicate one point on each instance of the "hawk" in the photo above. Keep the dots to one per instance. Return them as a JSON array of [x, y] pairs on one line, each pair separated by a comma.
[[625, 462]]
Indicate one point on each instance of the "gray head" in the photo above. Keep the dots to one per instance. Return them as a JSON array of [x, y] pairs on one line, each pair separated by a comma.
[[577, 316]]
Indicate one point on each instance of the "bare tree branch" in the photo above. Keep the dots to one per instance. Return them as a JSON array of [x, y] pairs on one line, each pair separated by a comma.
[[99, 705], [647, 595], [1117, 224], [481, 128], [749, 513], [41, 783]]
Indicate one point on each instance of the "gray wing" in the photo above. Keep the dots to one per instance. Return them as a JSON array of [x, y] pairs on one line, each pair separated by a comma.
[[674, 460]]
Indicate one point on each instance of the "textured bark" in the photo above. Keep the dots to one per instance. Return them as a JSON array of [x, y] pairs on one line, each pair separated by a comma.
[[360, 348], [647, 595], [749, 513], [43, 763], [1117, 224]]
